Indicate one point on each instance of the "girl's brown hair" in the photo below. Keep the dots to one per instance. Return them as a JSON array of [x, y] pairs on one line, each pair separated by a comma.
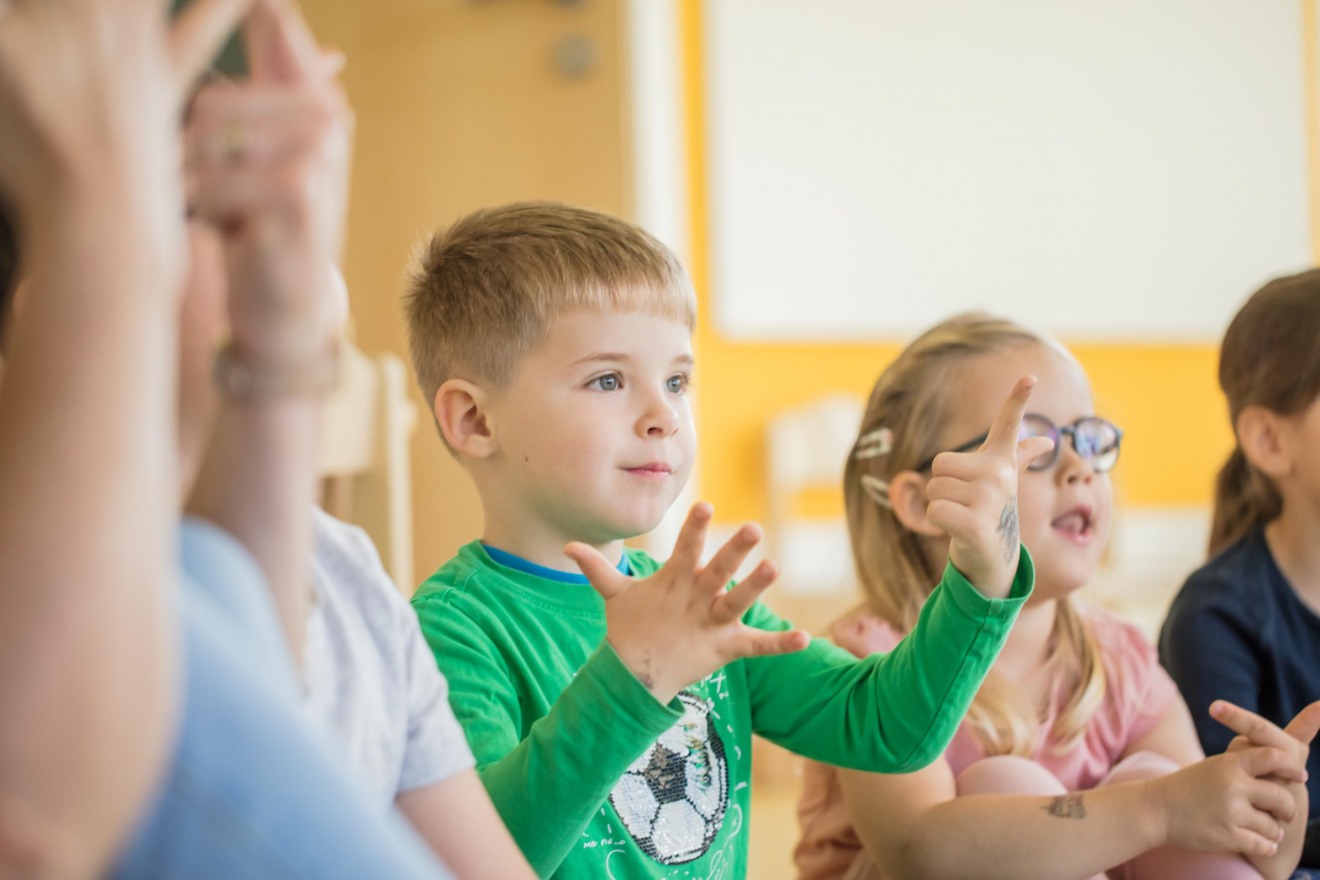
[[1270, 358], [910, 403]]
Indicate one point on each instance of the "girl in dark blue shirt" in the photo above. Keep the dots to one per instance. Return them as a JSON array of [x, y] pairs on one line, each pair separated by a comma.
[[1246, 626]]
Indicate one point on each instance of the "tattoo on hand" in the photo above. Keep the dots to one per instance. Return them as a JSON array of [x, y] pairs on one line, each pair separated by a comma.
[[1008, 530], [645, 676], [1066, 806]]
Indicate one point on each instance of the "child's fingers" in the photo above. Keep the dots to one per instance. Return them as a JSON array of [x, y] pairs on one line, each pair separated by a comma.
[[954, 489], [1272, 798], [725, 563], [1259, 730], [1269, 761], [954, 519], [1305, 724], [752, 642], [280, 47], [733, 604], [222, 99], [691, 539], [606, 578], [1003, 436], [1031, 449], [332, 63], [965, 466], [1251, 844], [197, 35], [1263, 824]]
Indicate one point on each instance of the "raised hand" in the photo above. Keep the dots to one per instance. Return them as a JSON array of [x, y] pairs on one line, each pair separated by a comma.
[[90, 93], [268, 166], [973, 497], [681, 624]]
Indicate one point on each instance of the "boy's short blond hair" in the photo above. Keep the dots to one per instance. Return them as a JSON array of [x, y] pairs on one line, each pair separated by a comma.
[[484, 291]]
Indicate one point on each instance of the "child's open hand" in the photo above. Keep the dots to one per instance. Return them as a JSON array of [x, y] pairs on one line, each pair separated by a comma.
[[972, 496], [680, 624]]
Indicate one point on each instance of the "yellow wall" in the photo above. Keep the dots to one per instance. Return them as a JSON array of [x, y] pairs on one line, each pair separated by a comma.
[[1164, 396]]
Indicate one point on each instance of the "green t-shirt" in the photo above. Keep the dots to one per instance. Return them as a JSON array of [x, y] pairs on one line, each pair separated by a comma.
[[595, 778]]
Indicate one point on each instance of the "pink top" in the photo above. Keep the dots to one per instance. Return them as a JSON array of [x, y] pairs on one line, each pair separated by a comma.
[[1137, 692]]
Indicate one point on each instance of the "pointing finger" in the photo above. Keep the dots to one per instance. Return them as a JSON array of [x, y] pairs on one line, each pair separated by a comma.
[[1003, 436], [1260, 731]]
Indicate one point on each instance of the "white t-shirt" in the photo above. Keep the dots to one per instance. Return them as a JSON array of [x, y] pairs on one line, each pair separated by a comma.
[[371, 680]]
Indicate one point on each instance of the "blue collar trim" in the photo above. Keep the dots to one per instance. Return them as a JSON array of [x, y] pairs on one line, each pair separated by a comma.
[[526, 566]]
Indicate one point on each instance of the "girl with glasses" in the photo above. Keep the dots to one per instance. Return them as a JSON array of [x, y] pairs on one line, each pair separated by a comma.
[[1246, 626], [1077, 758]]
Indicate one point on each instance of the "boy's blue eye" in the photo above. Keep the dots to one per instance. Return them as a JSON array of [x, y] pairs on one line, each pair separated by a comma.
[[608, 382], [677, 384]]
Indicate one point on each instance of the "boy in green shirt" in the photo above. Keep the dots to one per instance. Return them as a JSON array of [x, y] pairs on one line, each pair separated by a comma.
[[611, 712]]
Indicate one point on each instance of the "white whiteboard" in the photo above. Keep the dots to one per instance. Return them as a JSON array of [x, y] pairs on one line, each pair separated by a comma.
[[1103, 169]]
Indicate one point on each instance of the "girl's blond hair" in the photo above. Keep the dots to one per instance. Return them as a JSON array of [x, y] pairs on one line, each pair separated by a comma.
[[909, 404]]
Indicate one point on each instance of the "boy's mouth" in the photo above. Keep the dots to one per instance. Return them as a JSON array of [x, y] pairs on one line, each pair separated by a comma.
[[652, 470], [1075, 525]]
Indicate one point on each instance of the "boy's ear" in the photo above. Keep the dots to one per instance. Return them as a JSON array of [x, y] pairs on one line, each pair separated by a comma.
[[1264, 438], [460, 411], [907, 497]]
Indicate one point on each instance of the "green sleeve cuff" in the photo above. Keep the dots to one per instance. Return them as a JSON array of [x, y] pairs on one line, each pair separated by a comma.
[[618, 691], [970, 600]]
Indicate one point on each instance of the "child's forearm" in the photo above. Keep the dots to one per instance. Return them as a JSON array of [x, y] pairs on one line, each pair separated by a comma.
[[890, 714], [1000, 837], [259, 483], [548, 787]]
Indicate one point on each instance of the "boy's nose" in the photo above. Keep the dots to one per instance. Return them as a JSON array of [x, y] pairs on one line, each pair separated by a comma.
[[659, 420]]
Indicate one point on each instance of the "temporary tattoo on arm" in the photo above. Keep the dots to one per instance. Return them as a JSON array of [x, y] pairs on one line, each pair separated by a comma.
[[1008, 530], [1066, 806]]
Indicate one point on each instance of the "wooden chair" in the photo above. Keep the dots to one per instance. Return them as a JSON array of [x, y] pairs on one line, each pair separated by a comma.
[[365, 460]]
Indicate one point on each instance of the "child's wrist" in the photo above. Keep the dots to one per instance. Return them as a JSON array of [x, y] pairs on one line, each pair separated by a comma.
[[1153, 812], [648, 673]]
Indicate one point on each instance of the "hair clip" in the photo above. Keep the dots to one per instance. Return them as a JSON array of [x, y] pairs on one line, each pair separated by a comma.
[[874, 444], [877, 489]]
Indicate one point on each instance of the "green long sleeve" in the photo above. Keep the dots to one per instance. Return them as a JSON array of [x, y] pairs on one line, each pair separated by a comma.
[[890, 713], [596, 779]]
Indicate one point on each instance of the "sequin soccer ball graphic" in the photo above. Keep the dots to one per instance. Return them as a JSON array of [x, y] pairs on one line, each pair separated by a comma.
[[672, 799]]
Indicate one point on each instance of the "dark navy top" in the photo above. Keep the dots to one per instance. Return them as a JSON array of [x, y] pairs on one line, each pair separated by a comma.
[[1237, 631]]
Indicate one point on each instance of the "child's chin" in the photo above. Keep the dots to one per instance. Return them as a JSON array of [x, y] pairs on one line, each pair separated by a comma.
[[625, 528], [1063, 579]]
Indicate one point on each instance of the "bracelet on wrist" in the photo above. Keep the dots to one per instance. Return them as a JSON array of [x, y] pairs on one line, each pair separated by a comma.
[[240, 376]]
